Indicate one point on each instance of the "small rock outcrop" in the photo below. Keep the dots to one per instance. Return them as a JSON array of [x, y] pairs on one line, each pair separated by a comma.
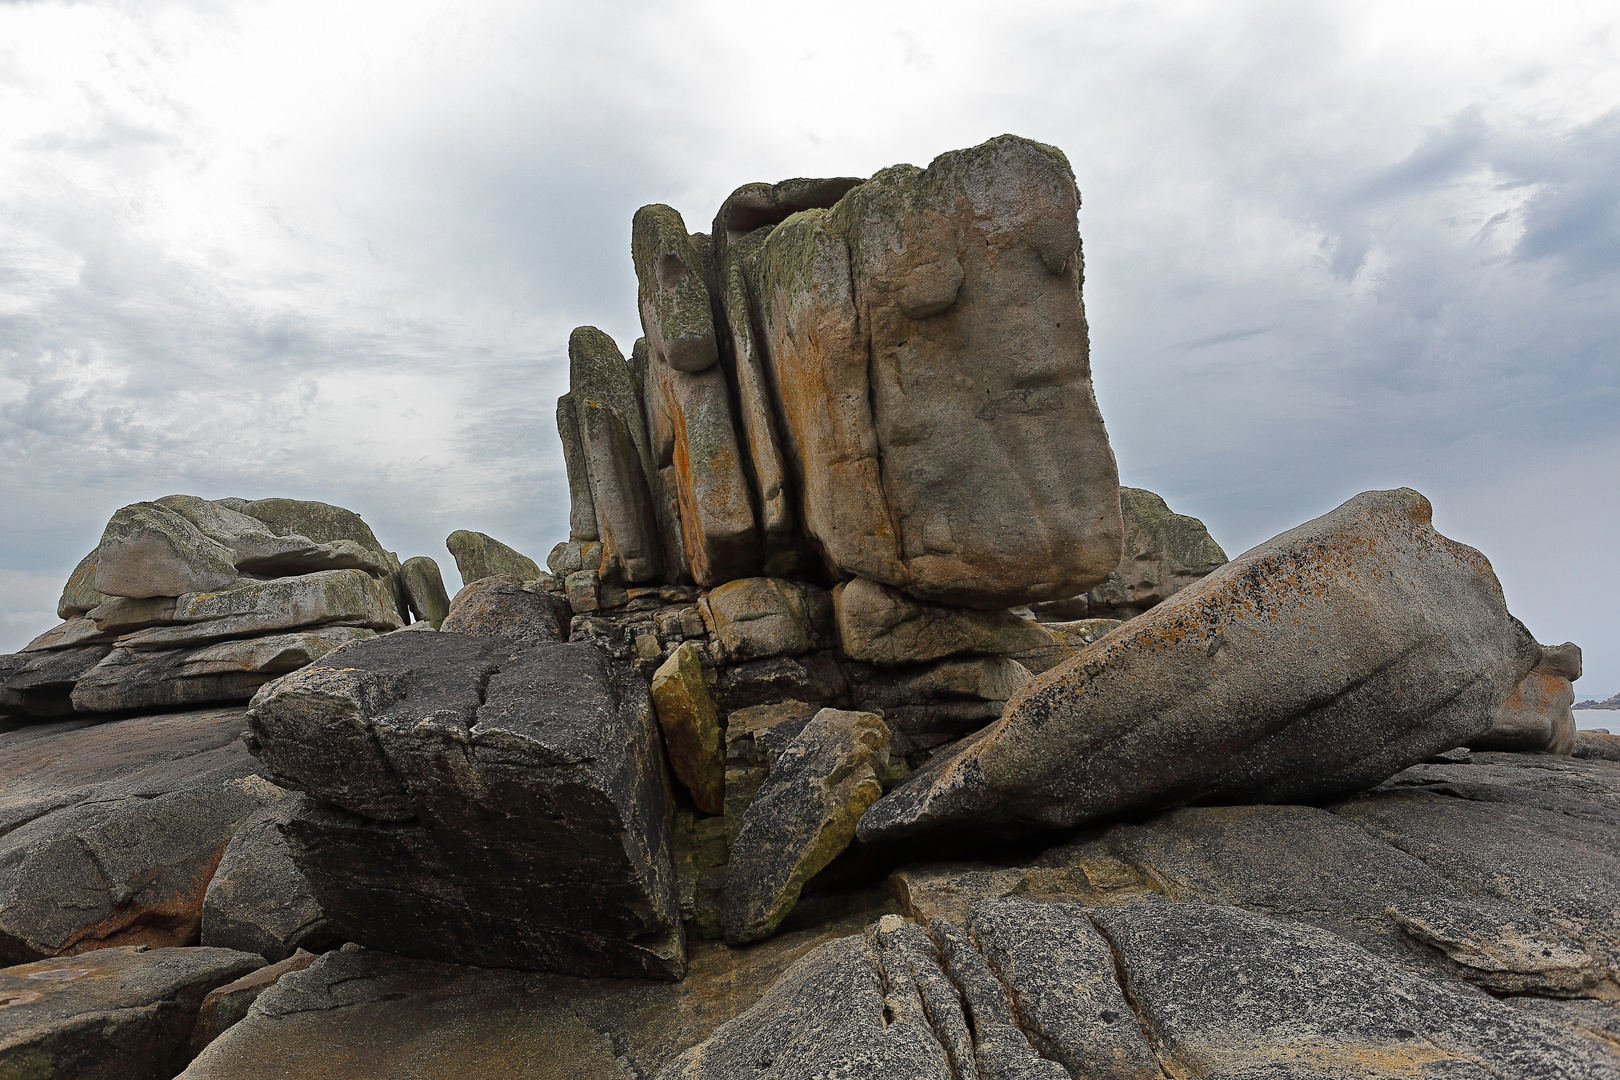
[[503, 606], [479, 556], [258, 900], [188, 602], [1226, 692], [1537, 716], [479, 800]]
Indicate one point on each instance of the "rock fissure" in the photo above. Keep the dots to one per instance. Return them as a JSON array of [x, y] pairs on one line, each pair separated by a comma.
[[1169, 1066]]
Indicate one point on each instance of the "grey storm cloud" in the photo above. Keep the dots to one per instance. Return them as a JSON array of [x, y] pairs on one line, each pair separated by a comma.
[[336, 253]]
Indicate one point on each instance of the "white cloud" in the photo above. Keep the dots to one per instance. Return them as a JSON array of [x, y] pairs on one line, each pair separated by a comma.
[[334, 250]]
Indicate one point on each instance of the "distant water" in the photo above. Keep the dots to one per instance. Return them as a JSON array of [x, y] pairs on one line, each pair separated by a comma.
[[1603, 718]]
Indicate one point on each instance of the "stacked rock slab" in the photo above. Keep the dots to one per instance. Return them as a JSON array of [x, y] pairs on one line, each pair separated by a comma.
[[480, 800], [1311, 666], [188, 602]]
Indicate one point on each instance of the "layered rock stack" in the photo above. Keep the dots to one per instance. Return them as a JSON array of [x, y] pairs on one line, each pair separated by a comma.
[[187, 602]]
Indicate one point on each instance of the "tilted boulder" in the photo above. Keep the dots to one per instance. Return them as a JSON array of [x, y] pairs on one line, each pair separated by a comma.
[[1311, 666], [479, 800], [932, 320], [1537, 716], [803, 816], [423, 586], [692, 729], [479, 556], [258, 900]]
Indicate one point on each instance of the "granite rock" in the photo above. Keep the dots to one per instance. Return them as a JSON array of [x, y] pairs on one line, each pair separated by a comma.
[[258, 900], [882, 625], [503, 606], [693, 735], [479, 556], [423, 586], [754, 618], [1537, 716]]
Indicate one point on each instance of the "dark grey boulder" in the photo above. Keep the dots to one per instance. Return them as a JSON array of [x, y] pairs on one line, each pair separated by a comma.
[[1314, 665], [41, 684], [229, 1004], [112, 1014], [479, 800], [506, 607], [110, 832], [258, 900], [423, 587]]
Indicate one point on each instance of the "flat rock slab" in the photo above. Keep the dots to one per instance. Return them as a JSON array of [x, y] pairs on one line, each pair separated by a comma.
[[476, 799], [364, 1014], [109, 833], [114, 1014], [1314, 665]]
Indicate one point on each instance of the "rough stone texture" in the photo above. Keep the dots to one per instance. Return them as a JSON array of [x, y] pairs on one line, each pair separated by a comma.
[[1596, 745], [813, 677], [701, 850], [758, 617], [1312, 666], [882, 625], [693, 735], [133, 680], [581, 507], [1537, 716], [1164, 553], [481, 800], [80, 594], [109, 833], [258, 900], [115, 1014], [479, 556], [617, 456], [423, 586], [228, 1004], [803, 816], [1068, 639], [318, 521], [426, 1021], [756, 735], [506, 607], [932, 320], [347, 597]]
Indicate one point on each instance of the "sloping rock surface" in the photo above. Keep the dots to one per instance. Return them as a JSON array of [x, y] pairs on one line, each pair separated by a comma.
[[110, 833], [258, 900], [114, 1014], [475, 799], [1316, 664]]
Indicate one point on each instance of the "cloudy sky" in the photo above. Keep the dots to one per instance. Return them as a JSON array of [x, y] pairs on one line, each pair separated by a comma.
[[334, 250]]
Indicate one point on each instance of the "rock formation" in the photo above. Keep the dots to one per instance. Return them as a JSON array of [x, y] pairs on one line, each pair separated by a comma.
[[1537, 716]]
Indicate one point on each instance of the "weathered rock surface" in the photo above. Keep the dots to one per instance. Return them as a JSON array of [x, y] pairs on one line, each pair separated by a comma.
[[932, 318], [258, 901], [882, 625], [423, 586], [506, 607], [114, 1014], [581, 506], [109, 833], [1537, 716], [618, 459], [424, 1020], [1164, 553], [802, 817], [41, 684], [926, 706], [480, 799], [693, 735], [228, 1004], [1311, 666], [136, 680], [1068, 638], [149, 549], [754, 618], [347, 597]]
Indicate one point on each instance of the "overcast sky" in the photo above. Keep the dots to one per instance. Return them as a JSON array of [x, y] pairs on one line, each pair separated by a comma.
[[334, 251]]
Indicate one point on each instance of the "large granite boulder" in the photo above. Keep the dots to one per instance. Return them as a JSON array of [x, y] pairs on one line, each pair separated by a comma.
[[423, 587], [1311, 666], [932, 320], [880, 624], [753, 618], [114, 1014], [110, 833], [1164, 553], [475, 799], [693, 732]]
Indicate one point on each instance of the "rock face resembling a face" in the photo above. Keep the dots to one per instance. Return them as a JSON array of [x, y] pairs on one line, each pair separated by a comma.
[[927, 342]]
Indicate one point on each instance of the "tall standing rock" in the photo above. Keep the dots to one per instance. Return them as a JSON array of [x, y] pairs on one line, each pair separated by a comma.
[[614, 439], [688, 403], [928, 345], [581, 506], [1313, 666]]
